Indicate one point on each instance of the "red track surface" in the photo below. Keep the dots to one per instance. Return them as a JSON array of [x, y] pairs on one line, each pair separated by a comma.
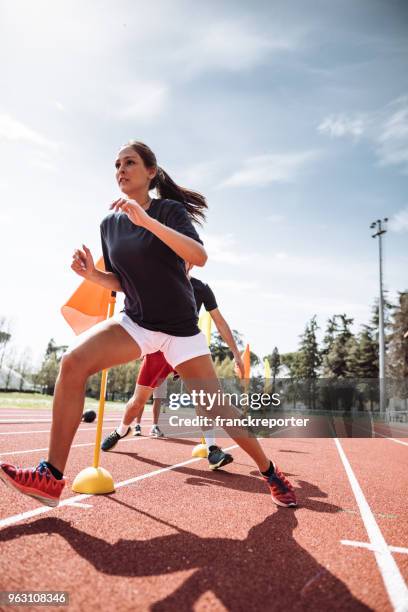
[[190, 539]]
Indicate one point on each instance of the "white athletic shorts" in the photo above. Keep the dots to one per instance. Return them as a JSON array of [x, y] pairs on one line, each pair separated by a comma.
[[176, 349]]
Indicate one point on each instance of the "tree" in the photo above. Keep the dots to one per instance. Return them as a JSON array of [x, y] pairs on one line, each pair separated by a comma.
[[225, 368], [310, 358], [362, 357], [293, 362], [23, 366], [336, 358], [53, 348], [5, 337], [328, 341], [47, 375], [375, 319], [275, 363], [220, 350], [398, 345]]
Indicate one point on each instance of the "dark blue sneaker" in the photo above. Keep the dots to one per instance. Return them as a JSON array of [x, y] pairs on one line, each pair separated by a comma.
[[112, 439], [217, 458]]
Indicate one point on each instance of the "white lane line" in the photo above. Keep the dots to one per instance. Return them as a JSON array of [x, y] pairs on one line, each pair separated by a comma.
[[397, 549], [394, 582], [376, 433], [28, 421], [129, 439], [34, 431], [12, 520], [392, 439], [31, 431], [78, 504]]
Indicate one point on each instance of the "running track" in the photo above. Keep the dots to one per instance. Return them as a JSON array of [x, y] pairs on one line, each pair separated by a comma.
[[177, 537]]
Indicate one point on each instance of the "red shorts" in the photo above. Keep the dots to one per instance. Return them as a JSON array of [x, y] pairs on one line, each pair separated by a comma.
[[154, 370]]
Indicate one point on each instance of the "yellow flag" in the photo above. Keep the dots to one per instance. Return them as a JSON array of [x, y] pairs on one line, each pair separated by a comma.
[[204, 323], [267, 366], [268, 376]]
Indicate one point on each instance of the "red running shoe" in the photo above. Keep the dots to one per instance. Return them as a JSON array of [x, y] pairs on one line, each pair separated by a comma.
[[37, 482], [282, 491]]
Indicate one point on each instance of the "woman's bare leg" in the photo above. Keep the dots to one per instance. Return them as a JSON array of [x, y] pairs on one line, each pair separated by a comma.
[[105, 346], [136, 404], [199, 374], [156, 410]]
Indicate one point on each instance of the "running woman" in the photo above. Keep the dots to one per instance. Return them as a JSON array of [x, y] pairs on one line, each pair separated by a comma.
[[145, 243], [152, 380]]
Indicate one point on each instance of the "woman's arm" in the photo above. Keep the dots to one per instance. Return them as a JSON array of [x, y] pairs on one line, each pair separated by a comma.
[[226, 334], [83, 265], [185, 247]]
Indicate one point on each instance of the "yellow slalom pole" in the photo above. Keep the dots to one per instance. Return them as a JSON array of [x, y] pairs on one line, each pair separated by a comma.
[[268, 375], [96, 480], [102, 396]]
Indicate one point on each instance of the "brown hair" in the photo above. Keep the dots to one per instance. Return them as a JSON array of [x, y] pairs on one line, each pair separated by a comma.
[[194, 202]]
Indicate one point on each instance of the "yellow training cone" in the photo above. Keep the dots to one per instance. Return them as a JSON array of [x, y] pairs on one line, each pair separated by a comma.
[[96, 480], [200, 450]]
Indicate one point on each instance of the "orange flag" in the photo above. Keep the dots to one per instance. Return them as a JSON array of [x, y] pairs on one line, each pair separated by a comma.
[[246, 358], [88, 305]]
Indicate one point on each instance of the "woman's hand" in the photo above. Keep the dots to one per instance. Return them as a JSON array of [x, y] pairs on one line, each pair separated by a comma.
[[83, 263], [239, 367], [133, 210]]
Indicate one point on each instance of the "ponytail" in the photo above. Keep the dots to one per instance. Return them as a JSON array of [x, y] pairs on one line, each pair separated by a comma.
[[194, 203]]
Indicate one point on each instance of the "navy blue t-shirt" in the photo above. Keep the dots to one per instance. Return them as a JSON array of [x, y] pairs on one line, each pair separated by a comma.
[[158, 293]]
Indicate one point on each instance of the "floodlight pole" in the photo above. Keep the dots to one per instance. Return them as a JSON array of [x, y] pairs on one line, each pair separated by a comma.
[[381, 229]]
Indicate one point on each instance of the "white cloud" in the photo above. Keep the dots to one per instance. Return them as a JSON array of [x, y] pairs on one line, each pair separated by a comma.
[[232, 46], [234, 286], [223, 248], [12, 130], [146, 100], [274, 168], [275, 218], [393, 139], [385, 129], [338, 126], [44, 163], [201, 174], [399, 222]]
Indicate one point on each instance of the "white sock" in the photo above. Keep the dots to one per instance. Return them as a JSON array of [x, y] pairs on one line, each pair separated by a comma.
[[122, 429], [209, 438]]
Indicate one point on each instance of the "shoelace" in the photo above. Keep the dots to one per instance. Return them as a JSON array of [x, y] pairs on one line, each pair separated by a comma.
[[42, 469], [279, 482], [113, 435]]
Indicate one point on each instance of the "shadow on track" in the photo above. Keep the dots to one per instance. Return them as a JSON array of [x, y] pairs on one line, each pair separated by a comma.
[[206, 478], [266, 571]]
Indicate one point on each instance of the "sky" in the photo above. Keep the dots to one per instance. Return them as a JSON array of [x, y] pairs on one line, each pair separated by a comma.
[[291, 118]]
